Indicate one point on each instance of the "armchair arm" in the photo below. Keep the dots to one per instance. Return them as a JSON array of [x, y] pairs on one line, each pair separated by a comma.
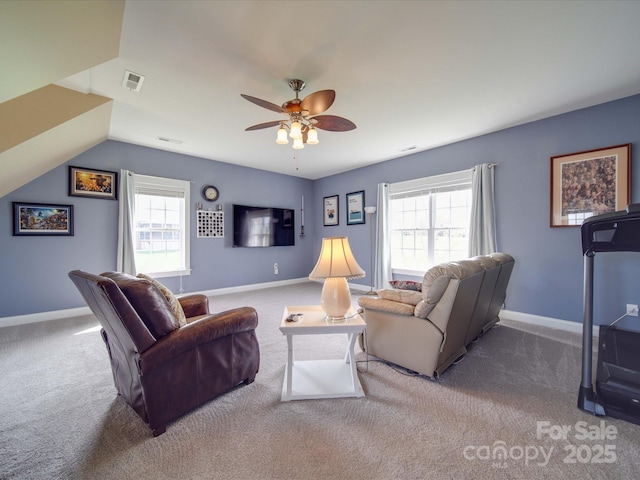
[[194, 304], [203, 330]]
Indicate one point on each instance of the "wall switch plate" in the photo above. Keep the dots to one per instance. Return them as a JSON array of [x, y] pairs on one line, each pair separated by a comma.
[[275, 269]]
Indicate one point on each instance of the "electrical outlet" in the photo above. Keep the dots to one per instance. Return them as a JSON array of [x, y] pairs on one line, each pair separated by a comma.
[[275, 272], [632, 310]]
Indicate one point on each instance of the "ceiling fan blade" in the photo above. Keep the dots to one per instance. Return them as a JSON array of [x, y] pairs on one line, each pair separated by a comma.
[[333, 123], [260, 126], [264, 103], [318, 102]]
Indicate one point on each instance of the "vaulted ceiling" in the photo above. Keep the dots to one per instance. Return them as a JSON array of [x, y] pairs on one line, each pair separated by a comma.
[[412, 75]]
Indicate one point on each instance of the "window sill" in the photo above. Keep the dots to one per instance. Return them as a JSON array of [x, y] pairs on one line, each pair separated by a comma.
[[410, 273], [177, 273]]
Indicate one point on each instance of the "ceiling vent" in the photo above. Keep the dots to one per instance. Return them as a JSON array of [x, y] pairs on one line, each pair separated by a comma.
[[132, 81]]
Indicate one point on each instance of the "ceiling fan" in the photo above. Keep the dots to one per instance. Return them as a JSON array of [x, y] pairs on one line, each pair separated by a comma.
[[302, 116]]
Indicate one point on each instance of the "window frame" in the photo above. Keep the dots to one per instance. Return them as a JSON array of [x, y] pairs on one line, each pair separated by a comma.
[[454, 181], [175, 188]]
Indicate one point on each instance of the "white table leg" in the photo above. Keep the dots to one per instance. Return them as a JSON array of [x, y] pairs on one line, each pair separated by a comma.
[[350, 358], [289, 364]]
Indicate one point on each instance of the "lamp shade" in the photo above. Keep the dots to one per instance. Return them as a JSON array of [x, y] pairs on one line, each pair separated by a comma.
[[370, 210], [312, 136], [296, 130], [336, 261], [297, 143], [282, 136]]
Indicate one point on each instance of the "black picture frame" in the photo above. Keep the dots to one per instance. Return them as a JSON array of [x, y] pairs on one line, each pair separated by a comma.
[[330, 211], [87, 182], [355, 208], [42, 219]]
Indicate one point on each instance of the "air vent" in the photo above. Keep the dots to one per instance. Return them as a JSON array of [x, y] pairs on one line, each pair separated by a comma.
[[132, 81], [170, 140]]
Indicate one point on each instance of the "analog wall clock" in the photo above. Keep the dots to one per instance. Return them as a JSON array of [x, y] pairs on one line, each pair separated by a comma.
[[210, 193]]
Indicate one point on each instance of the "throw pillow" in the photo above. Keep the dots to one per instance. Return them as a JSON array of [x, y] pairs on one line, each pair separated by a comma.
[[406, 285], [174, 303]]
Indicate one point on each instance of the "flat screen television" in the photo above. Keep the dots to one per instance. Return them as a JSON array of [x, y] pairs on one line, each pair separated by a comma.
[[262, 226]]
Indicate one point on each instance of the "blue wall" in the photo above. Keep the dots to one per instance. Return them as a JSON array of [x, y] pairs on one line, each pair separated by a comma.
[[548, 277], [547, 280], [35, 268]]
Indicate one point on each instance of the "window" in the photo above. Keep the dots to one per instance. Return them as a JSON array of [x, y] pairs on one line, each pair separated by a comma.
[[161, 226], [429, 221]]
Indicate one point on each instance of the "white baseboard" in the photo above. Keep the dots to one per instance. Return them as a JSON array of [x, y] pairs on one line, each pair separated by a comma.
[[44, 316], [531, 319], [254, 286], [81, 311]]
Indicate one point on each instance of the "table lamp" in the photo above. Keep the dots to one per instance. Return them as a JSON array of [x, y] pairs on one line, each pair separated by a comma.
[[335, 264]]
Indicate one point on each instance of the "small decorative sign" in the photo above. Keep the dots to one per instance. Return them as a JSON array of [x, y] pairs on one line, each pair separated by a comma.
[[355, 208], [330, 210], [210, 224]]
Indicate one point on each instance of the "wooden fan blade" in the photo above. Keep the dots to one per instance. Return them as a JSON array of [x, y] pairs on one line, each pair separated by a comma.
[[260, 126], [318, 102], [333, 123], [264, 103]]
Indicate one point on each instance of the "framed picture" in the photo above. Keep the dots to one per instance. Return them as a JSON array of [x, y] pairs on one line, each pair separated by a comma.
[[355, 208], [42, 219], [330, 210], [589, 183], [85, 182]]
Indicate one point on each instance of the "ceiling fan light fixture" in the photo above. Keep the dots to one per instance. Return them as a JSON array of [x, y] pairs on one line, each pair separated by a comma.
[[312, 136], [296, 130], [297, 143], [304, 117], [282, 136]]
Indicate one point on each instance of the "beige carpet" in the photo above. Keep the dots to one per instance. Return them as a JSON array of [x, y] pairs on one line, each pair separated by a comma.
[[61, 417]]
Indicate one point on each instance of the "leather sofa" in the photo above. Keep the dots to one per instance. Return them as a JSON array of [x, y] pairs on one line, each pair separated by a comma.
[[428, 331], [162, 369]]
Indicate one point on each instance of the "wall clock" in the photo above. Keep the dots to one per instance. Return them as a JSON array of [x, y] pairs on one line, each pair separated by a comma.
[[210, 193]]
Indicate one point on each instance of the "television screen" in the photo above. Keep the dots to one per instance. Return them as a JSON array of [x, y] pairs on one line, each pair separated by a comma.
[[262, 226]]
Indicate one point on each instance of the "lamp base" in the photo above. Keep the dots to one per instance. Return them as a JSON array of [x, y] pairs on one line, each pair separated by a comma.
[[372, 292], [331, 319], [335, 299]]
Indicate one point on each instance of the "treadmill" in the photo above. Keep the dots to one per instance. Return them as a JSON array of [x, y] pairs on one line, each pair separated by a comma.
[[617, 388]]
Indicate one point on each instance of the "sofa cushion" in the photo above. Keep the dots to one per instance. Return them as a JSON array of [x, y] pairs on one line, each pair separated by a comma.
[[406, 285], [148, 301], [175, 305], [410, 297]]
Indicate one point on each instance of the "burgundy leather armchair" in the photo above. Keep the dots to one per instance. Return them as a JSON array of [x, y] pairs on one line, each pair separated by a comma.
[[161, 369]]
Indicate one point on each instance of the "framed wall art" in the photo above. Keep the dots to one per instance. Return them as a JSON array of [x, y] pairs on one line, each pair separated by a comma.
[[589, 183], [42, 219], [330, 210], [86, 182], [355, 208]]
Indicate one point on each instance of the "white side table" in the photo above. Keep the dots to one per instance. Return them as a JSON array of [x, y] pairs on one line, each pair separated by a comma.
[[336, 378]]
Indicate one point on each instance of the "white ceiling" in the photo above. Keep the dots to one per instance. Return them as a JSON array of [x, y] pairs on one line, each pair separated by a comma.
[[408, 73]]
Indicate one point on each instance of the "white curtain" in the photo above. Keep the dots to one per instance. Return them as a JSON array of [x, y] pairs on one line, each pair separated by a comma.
[[383, 247], [126, 261], [482, 231]]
